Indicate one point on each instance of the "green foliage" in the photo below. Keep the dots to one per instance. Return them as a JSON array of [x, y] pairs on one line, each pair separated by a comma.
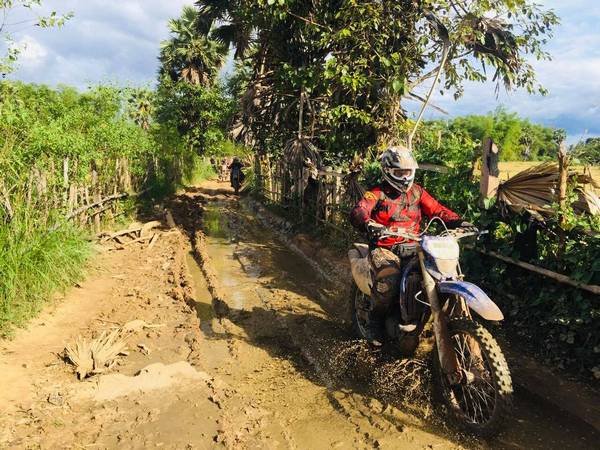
[[40, 126], [371, 174], [518, 138], [337, 72], [34, 264], [202, 170], [41, 129], [587, 152], [227, 147], [199, 114]]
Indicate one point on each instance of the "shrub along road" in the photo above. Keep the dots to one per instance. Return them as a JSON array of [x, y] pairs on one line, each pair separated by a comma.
[[258, 357]]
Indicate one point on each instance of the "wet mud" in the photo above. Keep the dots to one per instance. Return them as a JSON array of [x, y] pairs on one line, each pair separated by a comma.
[[253, 351], [279, 304]]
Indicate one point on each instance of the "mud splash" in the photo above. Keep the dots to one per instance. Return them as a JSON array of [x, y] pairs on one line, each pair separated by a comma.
[[280, 305]]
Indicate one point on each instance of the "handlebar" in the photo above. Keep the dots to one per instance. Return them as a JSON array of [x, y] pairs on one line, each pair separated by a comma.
[[456, 233], [390, 233]]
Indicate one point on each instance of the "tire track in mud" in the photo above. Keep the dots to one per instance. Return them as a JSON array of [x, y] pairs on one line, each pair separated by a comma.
[[297, 326], [299, 313]]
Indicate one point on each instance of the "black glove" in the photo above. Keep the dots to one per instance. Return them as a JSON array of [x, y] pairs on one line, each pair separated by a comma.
[[374, 229], [468, 227]]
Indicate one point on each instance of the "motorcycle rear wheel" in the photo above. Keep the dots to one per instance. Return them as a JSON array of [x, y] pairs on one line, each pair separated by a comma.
[[481, 405]]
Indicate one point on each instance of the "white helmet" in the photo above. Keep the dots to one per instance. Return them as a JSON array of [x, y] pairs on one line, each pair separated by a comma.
[[399, 166]]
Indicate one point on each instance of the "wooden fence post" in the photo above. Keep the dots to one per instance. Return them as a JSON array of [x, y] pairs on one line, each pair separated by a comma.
[[66, 172], [563, 168], [65, 182], [489, 170], [97, 196]]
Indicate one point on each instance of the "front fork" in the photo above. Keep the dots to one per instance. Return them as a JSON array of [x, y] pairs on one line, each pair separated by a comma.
[[446, 355]]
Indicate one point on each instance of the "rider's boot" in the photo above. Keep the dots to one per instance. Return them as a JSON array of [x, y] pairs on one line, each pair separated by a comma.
[[374, 325]]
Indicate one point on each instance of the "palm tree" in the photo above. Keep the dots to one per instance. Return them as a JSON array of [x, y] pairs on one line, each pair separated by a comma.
[[141, 107], [189, 55], [224, 22]]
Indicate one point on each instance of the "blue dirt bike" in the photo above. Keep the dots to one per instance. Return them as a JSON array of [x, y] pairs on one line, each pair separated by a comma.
[[471, 369]]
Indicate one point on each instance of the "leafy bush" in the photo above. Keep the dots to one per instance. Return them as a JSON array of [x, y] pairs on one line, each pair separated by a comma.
[[519, 138], [202, 170], [588, 151], [96, 140]]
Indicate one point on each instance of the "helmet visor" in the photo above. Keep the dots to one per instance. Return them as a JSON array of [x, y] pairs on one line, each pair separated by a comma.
[[400, 173]]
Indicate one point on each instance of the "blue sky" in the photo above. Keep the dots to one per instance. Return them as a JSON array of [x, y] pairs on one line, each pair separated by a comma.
[[110, 40]]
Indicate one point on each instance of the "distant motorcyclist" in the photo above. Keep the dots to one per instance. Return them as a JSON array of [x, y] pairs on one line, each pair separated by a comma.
[[236, 174], [399, 203]]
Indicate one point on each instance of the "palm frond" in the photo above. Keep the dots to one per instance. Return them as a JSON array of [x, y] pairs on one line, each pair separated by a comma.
[[97, 356], [535, 190]]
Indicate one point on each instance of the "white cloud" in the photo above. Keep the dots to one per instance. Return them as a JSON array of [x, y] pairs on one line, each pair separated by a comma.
[[33, 54], [106, 40], [119, 40]]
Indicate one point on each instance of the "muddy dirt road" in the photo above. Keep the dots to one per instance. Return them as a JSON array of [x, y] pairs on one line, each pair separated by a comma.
[[262, 361]]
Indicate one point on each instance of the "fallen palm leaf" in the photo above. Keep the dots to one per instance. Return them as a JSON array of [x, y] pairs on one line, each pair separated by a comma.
[[535, 190], [97, 356]]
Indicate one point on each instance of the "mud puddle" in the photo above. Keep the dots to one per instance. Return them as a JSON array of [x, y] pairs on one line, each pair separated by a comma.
[[285, 351], [284, 330]]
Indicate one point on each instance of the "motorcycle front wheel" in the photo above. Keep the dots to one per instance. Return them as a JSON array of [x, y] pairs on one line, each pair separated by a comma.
[[482, 400]]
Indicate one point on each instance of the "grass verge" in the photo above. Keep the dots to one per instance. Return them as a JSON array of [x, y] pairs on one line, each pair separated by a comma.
[[34, 264]]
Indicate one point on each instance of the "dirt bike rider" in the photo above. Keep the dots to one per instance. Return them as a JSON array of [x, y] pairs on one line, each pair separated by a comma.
[[234, 168], [396, 203]]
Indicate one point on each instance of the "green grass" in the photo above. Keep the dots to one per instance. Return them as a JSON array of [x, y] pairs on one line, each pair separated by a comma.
[[35, 264]]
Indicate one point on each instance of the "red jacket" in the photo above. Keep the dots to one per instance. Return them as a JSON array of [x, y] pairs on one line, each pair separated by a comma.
[[391, 208]]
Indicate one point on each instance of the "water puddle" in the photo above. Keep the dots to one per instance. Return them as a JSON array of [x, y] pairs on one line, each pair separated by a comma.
[[212, 223], [255, 269]]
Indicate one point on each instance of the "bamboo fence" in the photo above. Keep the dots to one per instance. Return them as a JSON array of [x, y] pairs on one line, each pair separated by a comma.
[[331, 207]]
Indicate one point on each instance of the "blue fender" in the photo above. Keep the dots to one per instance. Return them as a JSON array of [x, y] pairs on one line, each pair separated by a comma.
[[477, 300]]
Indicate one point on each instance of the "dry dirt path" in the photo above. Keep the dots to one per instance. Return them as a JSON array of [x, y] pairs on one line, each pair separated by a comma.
[[268, 365]]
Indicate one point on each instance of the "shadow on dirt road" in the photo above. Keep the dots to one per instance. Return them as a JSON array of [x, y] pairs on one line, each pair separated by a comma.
[[277, 303]]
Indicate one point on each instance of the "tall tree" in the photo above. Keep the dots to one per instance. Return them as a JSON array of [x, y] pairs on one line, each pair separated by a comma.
[[337, 72], [227, 22], [141, 107], [188, 55]]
